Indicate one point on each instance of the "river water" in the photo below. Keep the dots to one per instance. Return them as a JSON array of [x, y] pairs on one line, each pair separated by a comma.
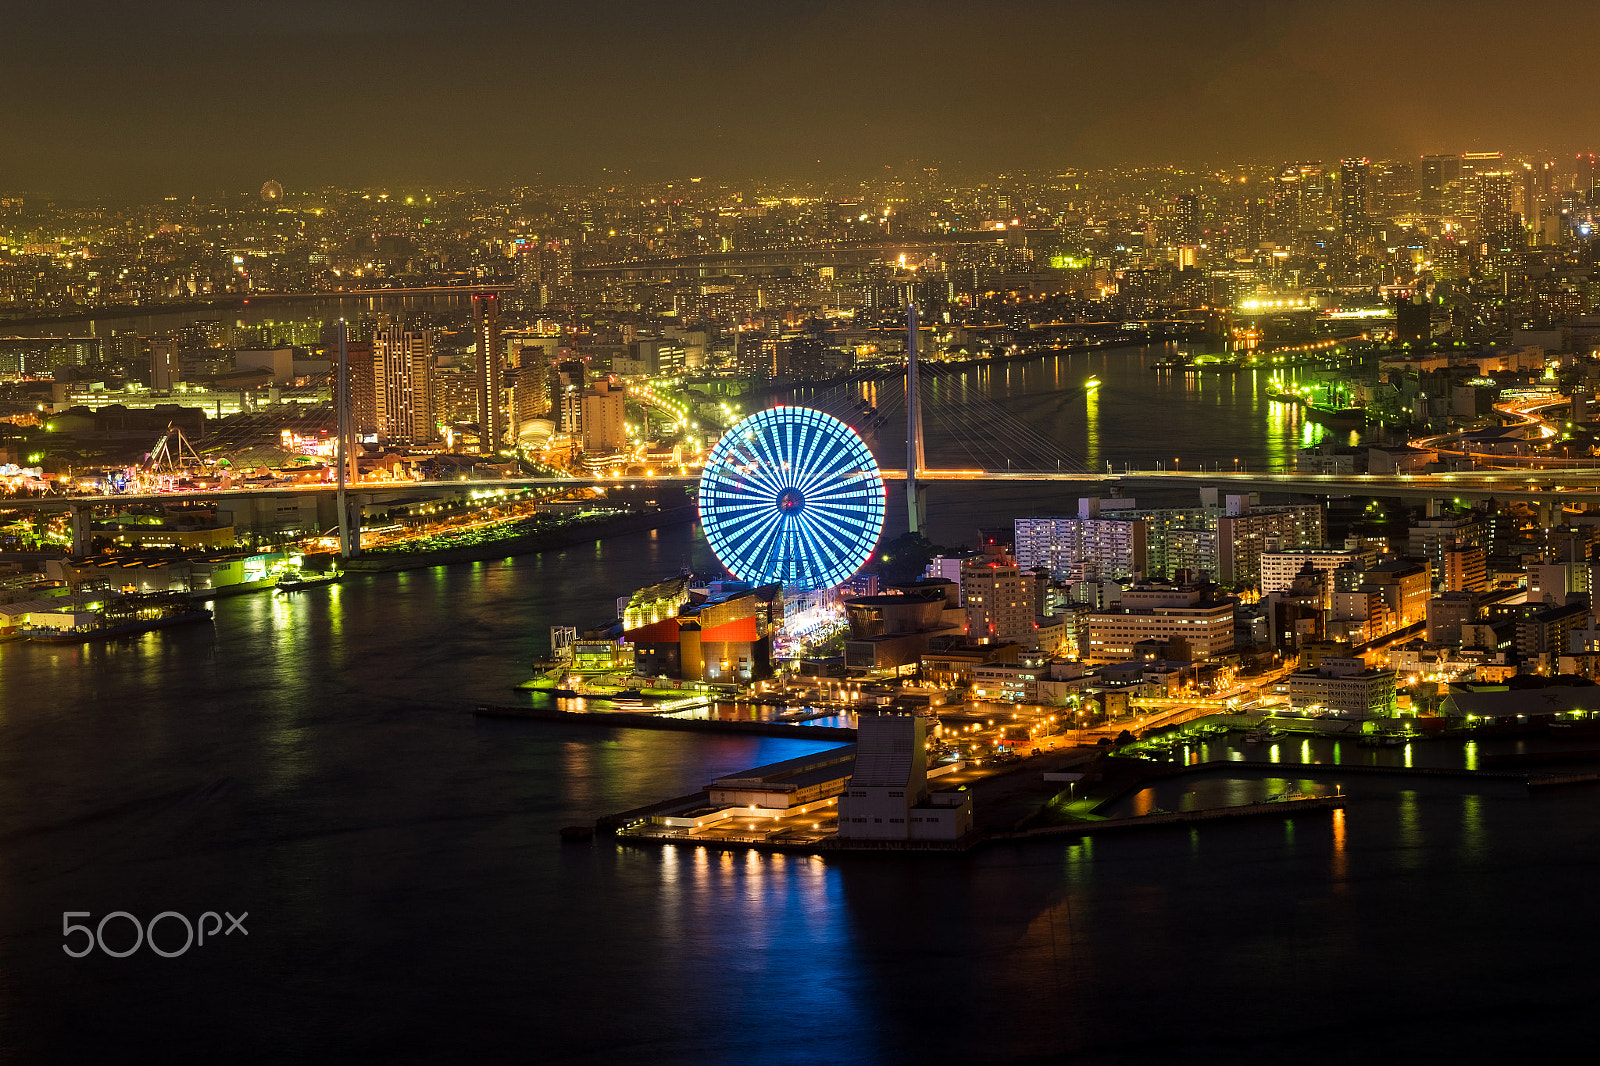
[[311, 760]]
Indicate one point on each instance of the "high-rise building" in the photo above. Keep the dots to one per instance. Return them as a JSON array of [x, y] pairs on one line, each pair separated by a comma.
[[1355, 204], [1435, 174], [402, 363], [605, 424], [1186, 220], [566, 395], [1279, 569], [1244, 533], [1104, 547], [491, 371], [163, 365], [364, 387], [999, 602]]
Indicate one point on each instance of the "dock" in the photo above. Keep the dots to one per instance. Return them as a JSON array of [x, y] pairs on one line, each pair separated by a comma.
[[638, 720]]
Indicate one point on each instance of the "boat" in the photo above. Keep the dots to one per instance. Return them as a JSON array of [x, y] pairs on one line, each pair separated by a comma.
[[1092, 383], [299, 580], [1336, 417]]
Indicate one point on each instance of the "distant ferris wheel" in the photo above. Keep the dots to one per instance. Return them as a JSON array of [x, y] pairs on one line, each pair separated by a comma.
[[792, 495], [271, 192]]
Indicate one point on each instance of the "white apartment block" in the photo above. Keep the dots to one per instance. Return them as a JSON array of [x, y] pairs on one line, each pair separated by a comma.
[[1280, 568]]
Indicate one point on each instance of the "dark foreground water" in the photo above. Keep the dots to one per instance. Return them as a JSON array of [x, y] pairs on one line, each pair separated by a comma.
[[308, 760]]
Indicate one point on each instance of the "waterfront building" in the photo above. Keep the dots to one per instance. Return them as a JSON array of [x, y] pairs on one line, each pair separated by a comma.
[[1007, 682], [893, 630], [887, 797], [724, 638], [954, 663], [1345, 688]]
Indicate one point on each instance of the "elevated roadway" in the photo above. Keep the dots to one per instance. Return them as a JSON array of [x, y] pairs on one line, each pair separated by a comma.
[[1579, 486]]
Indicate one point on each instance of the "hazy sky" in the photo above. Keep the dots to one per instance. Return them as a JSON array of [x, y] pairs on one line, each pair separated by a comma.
[[185, 96]]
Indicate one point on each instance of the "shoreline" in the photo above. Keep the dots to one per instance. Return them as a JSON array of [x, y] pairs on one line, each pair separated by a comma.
[[527, 544]]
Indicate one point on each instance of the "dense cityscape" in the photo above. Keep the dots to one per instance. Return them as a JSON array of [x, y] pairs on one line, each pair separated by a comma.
[[906, 610]]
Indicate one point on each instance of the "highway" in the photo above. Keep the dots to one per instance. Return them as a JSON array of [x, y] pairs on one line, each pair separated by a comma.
[[1580, 486]]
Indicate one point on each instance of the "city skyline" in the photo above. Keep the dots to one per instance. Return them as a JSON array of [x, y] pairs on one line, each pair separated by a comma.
[[796, 532], [180, 98]]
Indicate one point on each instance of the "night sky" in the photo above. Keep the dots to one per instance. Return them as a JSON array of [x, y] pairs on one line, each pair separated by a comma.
[[173, 97]]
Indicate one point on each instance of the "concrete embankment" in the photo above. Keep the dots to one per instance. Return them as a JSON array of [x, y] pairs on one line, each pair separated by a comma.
[[531, 544], [629, 720]]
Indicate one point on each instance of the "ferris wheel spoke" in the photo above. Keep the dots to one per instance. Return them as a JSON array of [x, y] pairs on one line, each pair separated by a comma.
[[744, 501], [750, 547], [840, 535]]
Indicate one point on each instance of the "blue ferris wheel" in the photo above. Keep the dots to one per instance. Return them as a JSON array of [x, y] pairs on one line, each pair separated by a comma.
[[792, 495]]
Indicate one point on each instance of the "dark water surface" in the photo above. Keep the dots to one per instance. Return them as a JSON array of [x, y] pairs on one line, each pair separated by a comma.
[[309, 760]]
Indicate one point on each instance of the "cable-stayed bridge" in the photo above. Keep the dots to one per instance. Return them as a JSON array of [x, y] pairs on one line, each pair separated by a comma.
[[978, 437]]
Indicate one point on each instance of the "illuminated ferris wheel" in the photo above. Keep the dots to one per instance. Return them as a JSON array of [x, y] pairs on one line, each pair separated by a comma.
[[792, 495]]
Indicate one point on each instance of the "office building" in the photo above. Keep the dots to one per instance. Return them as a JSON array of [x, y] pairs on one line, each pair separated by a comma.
[[1191, 628]]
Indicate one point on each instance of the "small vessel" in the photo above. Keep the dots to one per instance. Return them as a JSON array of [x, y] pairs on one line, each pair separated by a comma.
[[298, 580], [1092, 384]]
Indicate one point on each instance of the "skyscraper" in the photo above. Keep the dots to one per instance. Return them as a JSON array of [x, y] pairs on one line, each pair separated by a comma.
[[402, 361], [1186, 220], [491, 370]]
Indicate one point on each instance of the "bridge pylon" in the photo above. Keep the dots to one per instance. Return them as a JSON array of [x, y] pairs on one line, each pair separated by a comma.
[[916, 497]]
